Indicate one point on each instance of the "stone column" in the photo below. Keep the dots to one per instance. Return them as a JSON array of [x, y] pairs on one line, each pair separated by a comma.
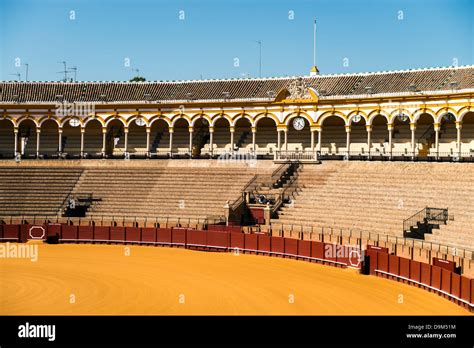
[[232, 130], [254, 134], [60, 140], [437, 129], [104, 139], [413, 143], [148, 131], [458, 142], [38, 133], [312, 140], [190, 129], [125, 130], [286, 140], [368, 127], [348, 141], [390, 133], [211, 140], [15, 131], [83, 131], [170, 130]]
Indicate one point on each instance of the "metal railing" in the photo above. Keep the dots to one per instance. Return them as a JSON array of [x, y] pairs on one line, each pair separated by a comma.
[[375, 237], [426, 215], [112, 220]]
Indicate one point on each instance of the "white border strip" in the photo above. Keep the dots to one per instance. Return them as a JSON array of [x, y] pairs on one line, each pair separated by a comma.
[[427, 286], [212, 246]]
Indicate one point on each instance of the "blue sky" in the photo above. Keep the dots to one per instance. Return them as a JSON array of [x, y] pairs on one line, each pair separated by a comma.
[[353, 36]]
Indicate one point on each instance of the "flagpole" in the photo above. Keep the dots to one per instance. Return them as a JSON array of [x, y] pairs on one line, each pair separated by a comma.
[[314, 44]]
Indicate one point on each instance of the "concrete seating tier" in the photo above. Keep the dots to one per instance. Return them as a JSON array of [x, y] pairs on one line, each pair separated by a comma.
[[377, 197], [35, 191]]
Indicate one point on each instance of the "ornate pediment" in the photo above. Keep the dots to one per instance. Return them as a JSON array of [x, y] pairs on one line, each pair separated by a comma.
[[298, 89]]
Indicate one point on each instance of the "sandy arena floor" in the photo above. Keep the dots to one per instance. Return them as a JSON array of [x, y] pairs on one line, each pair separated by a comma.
[[102, 279]]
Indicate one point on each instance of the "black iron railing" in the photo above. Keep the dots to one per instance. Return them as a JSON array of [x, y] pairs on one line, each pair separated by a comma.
[[426, 215]]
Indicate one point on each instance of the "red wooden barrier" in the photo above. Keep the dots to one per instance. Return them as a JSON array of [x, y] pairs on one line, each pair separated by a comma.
[[251, 242], [304, 248], [449, 265], [446, 280], [394, 264], [455, 284], [163, 236], [69, 232], [24, 232], [196, 238], [415, 270], [317, 250], [148, 234], [216, 227], [233, 229], [237, 241], [37, 231], [178, 236], [258, 215], [117, 234], [217, 239], [382, 261], [425, 276], [86, 232], [404, 268], [1, 232], [377, 248], [466, 289], [372, 254], [277, 245], [291, 246], [472, 290], [264, 243], [342, 254], [53, 229], [132, 234], [330, 251], [102, 233], [436, 277]]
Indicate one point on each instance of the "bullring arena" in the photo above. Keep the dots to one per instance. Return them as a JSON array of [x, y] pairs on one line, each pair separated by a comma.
[[323, 194]]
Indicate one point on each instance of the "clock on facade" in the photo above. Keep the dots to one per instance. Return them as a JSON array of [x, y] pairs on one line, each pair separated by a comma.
[[298, 123]]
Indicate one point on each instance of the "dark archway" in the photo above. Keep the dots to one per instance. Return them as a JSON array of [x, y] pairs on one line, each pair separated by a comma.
[[359, 138], [7, 139], [266, 138], [221, 137], [93, 139], [71, 139], [401, 138], [467, 135], [27, 139], [159, 138], [136, 144], [425, 136], [49, 139], [200, 136], [333, 136], [243, 135], [380, 137]]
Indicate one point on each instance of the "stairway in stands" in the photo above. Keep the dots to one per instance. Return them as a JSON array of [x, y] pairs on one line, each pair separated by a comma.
[[377, 197]]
